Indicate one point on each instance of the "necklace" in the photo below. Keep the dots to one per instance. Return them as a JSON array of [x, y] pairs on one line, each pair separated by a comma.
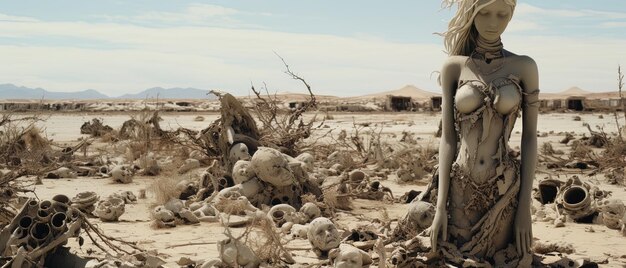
[[485, 52]]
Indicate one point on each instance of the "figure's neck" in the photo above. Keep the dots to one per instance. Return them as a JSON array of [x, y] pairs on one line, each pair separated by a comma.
[[489, 50]]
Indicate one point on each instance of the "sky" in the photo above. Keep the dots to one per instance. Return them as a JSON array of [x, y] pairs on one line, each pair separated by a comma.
[[341, 48]]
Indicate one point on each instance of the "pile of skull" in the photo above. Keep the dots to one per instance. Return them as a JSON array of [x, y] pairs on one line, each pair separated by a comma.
[[38, 229], [266, 178], [577, 201]]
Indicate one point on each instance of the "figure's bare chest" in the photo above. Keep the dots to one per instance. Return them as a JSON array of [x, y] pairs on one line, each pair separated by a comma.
[[501, 89]]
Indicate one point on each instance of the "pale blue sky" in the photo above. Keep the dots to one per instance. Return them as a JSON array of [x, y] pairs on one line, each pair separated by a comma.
[[341, 47]]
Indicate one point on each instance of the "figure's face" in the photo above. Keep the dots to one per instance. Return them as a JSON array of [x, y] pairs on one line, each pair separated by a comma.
[[491, 21], [242, 171], [323, 234], [350, 259]]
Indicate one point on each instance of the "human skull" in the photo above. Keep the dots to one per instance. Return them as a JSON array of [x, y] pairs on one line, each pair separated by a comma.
[[272, 167], [174, 205], [164, 217], [127, 196], [311, 211], [122, 174], [186, 189], [323, 235], [308, 161], [281, 213], [85, 201], [421, 214], [236, 254], [230, 200], [110, 209], [611, 211], [188, 216], [348, 256], [299, 231], [242, 171], [239, 151], [251, 188], [399, 256], [205, 210]]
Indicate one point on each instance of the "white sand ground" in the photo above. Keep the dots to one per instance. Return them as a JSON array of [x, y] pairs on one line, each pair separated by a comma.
[[135, 223]]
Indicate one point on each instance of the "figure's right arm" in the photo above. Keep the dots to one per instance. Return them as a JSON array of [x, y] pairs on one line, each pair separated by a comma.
[[447, 148]]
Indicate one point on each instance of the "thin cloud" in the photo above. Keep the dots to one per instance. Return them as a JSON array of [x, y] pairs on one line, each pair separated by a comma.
[[133, 57]]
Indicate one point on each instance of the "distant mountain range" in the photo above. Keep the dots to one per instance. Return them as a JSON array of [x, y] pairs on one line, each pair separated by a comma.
[[10, 91]]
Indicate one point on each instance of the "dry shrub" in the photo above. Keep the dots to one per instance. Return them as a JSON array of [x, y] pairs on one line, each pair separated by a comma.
[[280, 128], [580, 151], [547, 149], [265, 241], [164, 189]]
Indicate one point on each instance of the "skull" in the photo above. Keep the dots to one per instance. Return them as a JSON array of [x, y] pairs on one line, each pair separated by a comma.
[[185, 189], [85, 201], [242, 171], [127, 196], [205, 210], [421, 214], [189, 165], [272, 167], [399, 256], [122, 174], [174, 205], [311, 211], [236, 254], [239, 151], [251, 188], [230, 200], [299, 231], [281, 213], [188, 216], [308, 161], [110, 209], [348, 256], [323, 235], [164, 217], [611, 211]]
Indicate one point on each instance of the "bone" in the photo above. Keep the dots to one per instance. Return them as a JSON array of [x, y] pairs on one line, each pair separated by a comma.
[[611, 212], [85, 201], [347, 256], [323, 235], [122, 174], [236, 254], [281, 213], [420, 215], [110, 210], [242, 171], [311, 211], [272, 167]]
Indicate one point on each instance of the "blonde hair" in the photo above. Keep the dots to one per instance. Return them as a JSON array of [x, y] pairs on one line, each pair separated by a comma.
[[460, 39]]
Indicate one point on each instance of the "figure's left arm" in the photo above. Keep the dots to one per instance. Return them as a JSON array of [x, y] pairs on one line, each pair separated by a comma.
[[530, 90]]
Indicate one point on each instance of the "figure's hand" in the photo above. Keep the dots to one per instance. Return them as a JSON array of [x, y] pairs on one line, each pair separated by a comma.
[[523, 231], [440, 224]]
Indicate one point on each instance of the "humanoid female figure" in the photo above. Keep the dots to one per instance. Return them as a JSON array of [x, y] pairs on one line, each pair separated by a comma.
[[483, 197]]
